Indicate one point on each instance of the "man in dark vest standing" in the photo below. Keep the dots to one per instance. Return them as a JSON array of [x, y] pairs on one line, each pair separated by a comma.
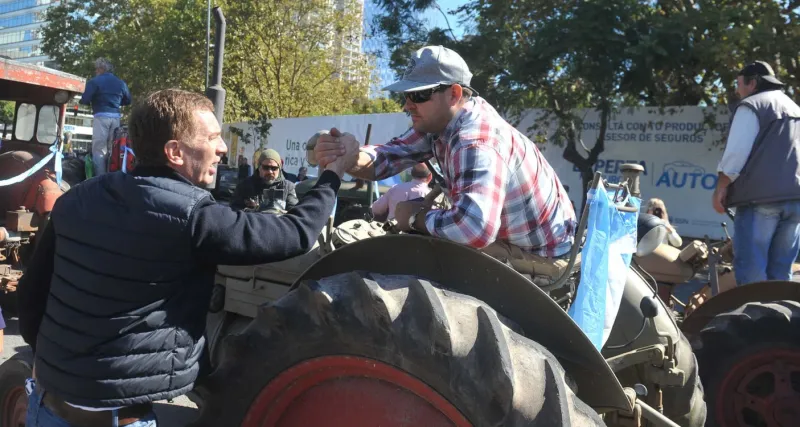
[[759, 175], [115, 298]]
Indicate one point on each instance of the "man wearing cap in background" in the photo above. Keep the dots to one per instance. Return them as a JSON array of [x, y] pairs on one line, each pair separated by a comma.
[[267, 189], [504, 194], [759, 175]]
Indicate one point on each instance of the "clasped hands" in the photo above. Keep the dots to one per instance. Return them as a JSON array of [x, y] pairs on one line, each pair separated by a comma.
[[337, 151]]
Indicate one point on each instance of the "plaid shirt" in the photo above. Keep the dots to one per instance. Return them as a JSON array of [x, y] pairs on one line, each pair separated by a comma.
[[500, 184]]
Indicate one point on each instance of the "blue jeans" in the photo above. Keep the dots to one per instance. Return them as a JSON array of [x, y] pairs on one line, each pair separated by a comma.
[[766, 242], [39, 416], [102, 139]]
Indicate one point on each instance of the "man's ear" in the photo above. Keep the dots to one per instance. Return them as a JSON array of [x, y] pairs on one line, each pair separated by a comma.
[[174, 153], [456, 94]]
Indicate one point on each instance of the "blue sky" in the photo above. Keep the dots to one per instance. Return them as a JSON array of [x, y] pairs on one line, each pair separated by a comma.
[[433, 16], [436, 18]]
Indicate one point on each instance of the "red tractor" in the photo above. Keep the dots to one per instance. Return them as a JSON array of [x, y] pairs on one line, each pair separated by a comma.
[[28, 183]]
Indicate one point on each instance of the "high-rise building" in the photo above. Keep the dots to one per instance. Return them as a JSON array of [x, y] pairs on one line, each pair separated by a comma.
[[349, 55], [21, 23], [374, 46]]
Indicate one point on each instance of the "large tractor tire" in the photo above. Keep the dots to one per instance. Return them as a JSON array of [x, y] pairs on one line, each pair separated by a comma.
[[685, 405], [14, 400], [750, 365], [361, 349]]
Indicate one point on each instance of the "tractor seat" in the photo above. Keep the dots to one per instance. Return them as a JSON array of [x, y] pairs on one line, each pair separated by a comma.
[[666, 266]]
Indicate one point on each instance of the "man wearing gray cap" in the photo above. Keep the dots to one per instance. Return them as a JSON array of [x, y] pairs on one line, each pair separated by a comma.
[[759, 175], [503, 191]]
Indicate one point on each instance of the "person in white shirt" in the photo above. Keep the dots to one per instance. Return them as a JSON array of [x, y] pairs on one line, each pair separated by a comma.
[[383, 208], [657, 208], [759, 175]]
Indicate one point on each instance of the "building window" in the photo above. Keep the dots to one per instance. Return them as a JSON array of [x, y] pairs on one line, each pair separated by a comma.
[[14, 6]]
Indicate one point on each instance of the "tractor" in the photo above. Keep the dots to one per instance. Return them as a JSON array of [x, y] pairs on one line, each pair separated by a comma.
[[746, 338], [29, 192], [39, 95], [376, 327]]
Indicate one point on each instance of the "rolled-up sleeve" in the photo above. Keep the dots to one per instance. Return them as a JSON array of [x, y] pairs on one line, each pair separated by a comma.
[[742, 136], [399, 154], [478, 192]]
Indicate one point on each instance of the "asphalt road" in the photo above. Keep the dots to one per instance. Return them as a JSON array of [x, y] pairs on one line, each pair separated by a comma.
[[179, 413]]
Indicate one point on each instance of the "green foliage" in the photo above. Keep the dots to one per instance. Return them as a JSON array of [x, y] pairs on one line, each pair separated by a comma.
[[287, 64], [7, 112], [366, 105], [153, 44], [564, 56], [279, 59], [260, 128]]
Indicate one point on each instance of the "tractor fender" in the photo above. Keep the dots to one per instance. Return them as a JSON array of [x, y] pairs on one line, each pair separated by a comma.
[[771, 290], [466, 270]]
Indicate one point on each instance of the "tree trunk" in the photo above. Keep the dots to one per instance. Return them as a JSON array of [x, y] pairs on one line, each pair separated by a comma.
[[585, 164]]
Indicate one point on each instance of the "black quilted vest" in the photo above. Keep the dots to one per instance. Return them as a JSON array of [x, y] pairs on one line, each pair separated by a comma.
[[772, 171], [126, 313]]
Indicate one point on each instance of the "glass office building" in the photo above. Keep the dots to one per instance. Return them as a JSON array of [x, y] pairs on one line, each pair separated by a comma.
[[21, 23]]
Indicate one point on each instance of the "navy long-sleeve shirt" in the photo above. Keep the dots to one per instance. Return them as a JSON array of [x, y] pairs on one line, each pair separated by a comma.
[[220, 235], [106, 93]]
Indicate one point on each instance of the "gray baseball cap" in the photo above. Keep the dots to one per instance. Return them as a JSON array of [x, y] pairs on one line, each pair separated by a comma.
[[432, 66]]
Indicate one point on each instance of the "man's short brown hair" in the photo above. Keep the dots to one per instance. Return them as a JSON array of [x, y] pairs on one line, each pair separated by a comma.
[[420, 171], [163, 116]]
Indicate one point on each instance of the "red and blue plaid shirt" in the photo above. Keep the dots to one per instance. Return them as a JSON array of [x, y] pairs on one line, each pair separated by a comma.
[[501, 186]]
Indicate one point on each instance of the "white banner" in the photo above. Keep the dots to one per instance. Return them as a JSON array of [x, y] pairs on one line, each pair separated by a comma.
[[679, 153], [289, 136]]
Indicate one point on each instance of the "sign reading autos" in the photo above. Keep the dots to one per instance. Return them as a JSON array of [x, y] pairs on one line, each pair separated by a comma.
[[678, 150]]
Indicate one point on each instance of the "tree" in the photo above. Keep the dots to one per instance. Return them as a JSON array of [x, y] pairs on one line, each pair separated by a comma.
[[566, 56], [366, 105], [281, 58], [154, 44], [6, 115], [561, 56], [290, 60]]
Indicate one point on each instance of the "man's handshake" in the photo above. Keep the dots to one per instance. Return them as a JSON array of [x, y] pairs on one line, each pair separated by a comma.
[[337, 152]]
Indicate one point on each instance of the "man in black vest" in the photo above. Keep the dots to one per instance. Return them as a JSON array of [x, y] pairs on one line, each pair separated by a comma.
[[759, 175], [115, 298]]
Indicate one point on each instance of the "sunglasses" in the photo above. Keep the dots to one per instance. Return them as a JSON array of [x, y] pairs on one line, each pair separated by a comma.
[[421, 96], [270, 168]]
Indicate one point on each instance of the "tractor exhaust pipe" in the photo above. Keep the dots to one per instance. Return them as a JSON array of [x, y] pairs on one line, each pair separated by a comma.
[[631, 172], [215, 92]]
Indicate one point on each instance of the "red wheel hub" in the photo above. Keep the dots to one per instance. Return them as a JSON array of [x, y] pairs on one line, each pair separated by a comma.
[[346, 391], [762, 390], [15, 408]]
